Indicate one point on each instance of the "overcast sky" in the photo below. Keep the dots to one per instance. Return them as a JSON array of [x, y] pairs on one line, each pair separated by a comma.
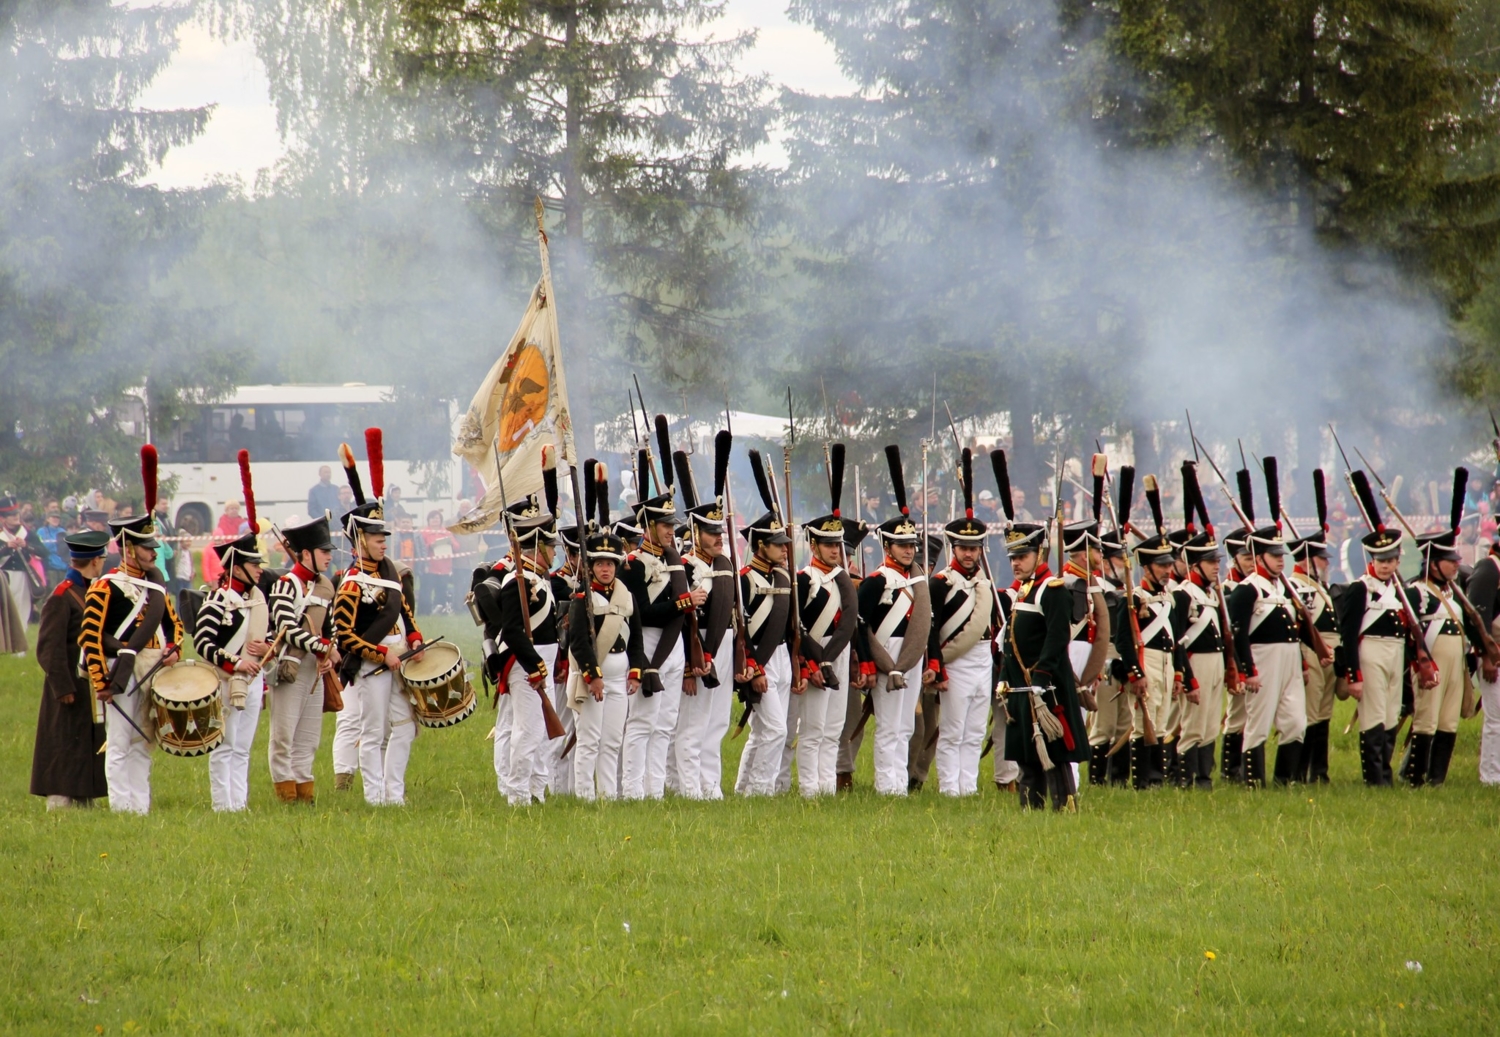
[[241, 137]]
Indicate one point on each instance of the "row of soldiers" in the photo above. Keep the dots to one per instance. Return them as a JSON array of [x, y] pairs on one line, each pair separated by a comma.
[[650, 629], [276, 638], [617, 670]]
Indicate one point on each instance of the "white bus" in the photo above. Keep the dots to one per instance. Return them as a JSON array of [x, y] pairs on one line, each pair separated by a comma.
[[293, 430]]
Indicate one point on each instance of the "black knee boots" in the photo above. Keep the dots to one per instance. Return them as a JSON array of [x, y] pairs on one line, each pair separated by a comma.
[[1288, 763], [1442, 754], [1098, 763], [1255, 766], [1234, 757]]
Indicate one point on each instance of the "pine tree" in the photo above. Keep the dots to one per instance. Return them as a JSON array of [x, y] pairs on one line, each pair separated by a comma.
[[1355, 117], [83, 244]]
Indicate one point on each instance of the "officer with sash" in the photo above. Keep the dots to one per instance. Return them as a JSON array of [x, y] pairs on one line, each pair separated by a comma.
[[1044, 731]]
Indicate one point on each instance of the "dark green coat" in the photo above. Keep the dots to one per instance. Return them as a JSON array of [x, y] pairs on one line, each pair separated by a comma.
[[1041, 640]]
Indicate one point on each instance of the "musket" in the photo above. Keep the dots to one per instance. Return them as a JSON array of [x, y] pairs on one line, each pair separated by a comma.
[[984, 559], [1490, 648], [1309, 628], [783, 512], [652, 465], [585, 573], [696, 665], [554, 725], [1122, 526], [1191, 434], [741, 638]]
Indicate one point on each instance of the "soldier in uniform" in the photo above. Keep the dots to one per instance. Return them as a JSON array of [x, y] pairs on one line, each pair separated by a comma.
[[1203, 641], [1112, 720], [1310, 580], [301, 614], [965, 619], [1043, 730], [655, 575], [1265, 630], [21, 553], [703, 720], [66, 765], [769, 680], [127, 612], [857, 710], [1450, 635], [565, 586], [897, 612], [830, 617], [1373, 629], [606, 657], [529, 632], [231, 633], [1232, 761], [1484, 594], [921, 750], [374, 624]]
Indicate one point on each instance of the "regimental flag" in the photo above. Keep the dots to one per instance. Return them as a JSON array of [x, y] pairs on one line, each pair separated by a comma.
[[521, 405]]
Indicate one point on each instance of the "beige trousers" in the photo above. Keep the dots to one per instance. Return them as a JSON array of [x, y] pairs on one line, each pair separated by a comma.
[[1113, 716], [1437, 709], [1200, 723], [1381, 662], [1159, 674], [1319, 679], [1281, 700], [296, 724]]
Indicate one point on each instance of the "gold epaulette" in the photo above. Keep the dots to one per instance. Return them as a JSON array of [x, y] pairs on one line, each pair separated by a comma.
[[1056, 581]]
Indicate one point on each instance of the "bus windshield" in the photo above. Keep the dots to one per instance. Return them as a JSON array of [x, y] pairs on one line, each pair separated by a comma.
[[215, 433]]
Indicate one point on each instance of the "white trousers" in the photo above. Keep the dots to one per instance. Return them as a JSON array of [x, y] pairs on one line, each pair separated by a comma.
[[718, 709], [229, 763], [296, 724], [601, 732], [1489, 732], [815, 720], [649, 725], [387, 728], [966, 706], [559, 770], [127, 760], [895, 719], [346, 731], [20, 592], [500, 743], [686, 773], [1281, 699], [761, 760], [526, 771]]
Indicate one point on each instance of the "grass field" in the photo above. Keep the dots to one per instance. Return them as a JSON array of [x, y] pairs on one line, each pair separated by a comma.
[[1166, 912]]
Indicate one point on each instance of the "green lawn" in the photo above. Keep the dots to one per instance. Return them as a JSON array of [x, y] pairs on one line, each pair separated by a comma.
[[460, 915]]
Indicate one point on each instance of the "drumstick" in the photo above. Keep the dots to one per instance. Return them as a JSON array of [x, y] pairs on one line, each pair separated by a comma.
[[401, 659]]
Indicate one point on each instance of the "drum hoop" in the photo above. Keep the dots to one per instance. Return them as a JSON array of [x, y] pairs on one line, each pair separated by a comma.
[[174, 703], [442, 648]]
